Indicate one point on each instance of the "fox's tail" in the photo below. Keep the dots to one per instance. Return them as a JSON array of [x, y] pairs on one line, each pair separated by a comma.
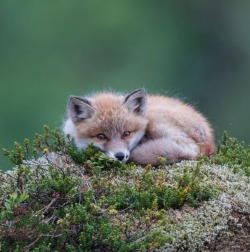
[[173, 149]]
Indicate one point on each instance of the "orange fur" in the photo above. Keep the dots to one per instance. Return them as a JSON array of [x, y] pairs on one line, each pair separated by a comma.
[[157, 126]]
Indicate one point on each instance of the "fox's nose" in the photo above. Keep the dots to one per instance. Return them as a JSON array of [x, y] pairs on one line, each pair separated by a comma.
[[120, 156]]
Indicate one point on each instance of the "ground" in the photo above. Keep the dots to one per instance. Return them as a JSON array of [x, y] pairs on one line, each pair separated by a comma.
[[238, 239]]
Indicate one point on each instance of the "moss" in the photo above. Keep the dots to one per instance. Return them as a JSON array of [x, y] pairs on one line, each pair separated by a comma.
[[60, 199]]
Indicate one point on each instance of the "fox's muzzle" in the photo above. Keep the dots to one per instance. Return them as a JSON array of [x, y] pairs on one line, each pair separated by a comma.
[[121, 155]]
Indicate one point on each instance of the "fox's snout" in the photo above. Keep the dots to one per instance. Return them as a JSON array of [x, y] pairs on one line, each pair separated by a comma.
[[122, 156]]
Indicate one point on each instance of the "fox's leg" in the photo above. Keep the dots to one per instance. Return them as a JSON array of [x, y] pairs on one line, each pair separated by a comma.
[[173, 149]]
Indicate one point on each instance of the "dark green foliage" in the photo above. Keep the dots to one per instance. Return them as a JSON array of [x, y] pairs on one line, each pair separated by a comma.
[[233, 153], [59, 199]]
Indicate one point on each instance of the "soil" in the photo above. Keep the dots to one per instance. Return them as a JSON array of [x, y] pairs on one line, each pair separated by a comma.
[[238, 239]]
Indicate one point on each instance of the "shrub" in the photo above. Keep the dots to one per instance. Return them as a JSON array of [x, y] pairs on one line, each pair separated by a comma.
[[232, 153], [60, 199]]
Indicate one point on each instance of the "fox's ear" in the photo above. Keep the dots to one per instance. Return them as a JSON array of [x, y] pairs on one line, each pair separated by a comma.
[[80, 108], [136, 101]]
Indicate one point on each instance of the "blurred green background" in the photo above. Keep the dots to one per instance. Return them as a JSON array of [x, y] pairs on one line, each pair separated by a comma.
[[196, 50]]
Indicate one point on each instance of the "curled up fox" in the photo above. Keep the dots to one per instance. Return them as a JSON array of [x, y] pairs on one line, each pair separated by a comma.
[[139, 127]]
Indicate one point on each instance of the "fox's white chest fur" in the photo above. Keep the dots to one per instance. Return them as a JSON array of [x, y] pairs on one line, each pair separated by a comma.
[[139, 127]]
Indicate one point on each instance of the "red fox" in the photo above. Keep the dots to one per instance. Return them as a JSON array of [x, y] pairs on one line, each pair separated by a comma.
[[139, 127]]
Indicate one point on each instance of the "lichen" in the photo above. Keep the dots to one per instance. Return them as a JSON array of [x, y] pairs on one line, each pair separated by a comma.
[[57, 198]]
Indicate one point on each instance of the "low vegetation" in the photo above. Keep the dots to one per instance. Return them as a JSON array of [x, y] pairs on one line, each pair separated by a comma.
[[58, 199]]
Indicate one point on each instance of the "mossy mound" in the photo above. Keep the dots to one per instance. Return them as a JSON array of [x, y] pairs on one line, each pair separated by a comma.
[[57, 199]]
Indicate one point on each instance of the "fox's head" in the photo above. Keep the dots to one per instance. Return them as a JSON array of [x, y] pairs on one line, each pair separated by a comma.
[[113, 123]]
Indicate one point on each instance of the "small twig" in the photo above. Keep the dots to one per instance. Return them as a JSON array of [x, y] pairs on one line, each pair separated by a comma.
[[47, 207], [33, 243]]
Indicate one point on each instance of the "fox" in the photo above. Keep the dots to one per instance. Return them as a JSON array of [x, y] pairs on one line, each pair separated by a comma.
[[139, 127]]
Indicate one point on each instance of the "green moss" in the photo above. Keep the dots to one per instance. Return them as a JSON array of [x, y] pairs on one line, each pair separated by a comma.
[[60, 199]]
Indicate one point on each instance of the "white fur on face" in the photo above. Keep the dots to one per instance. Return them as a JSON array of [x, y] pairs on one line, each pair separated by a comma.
[[111, 154], [69, 128], [81, 144], [127, 153]]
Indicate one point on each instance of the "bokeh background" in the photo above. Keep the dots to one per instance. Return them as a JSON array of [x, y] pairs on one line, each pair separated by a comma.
[[196, 50]]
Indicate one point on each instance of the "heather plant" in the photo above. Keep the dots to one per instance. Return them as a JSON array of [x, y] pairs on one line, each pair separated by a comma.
[[60, 199], [233, 153]]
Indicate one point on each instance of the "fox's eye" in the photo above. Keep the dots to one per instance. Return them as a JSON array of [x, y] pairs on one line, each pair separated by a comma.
[[126, 133], [101, 137]]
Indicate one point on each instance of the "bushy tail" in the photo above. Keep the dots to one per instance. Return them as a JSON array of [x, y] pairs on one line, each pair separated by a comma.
[[173, 149]]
